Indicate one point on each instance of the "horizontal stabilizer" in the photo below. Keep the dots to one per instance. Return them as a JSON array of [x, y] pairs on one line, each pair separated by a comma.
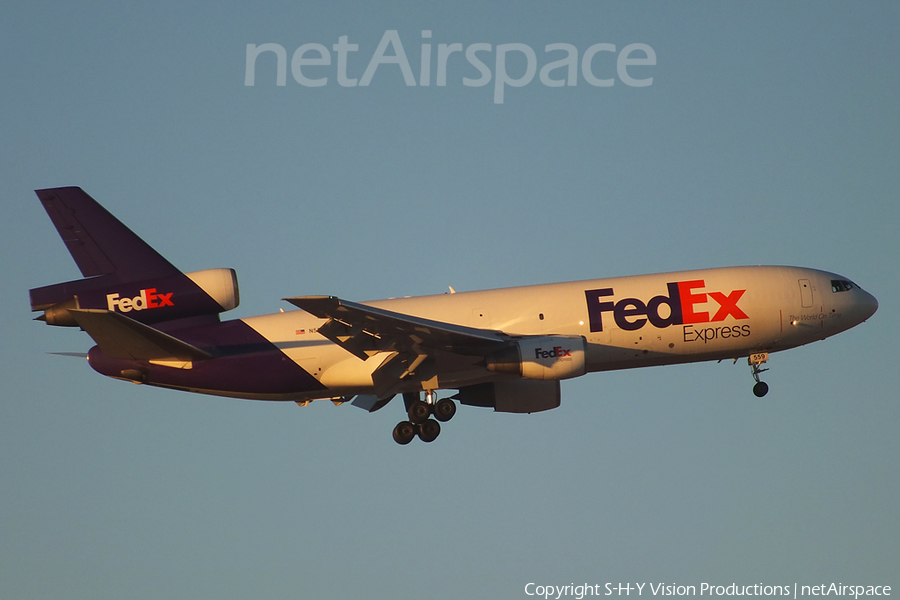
[[121, 337], [71, 354]]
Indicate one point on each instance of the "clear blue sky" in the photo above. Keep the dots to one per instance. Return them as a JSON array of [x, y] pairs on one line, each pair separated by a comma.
[[768, 136]]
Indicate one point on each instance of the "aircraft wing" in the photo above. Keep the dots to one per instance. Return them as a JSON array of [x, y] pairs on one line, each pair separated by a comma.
[[364, 330]]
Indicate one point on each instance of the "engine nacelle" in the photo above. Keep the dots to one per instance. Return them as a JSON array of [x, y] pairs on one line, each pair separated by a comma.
[[167, 298], [512, 395], [220, 284], [542, 357]]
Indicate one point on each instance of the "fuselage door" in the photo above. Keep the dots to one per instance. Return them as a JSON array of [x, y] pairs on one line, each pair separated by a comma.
[[806, 293]]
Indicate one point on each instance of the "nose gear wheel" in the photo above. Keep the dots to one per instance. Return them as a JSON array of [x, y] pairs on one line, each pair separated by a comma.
[[755, 360]]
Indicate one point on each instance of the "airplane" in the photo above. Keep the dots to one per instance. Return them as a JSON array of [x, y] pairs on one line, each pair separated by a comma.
[[506, 349]]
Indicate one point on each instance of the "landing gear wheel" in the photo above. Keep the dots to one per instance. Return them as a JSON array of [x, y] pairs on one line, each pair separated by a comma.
[[429, 430], [756, 361], [419, 411], [444, 410], [404, 432]]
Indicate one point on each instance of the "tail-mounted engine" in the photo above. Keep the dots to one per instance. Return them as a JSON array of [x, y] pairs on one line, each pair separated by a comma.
[[178, 296]]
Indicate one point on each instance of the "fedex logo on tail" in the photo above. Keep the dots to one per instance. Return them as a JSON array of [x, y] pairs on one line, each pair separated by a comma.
[[685, 304], [148, 298]]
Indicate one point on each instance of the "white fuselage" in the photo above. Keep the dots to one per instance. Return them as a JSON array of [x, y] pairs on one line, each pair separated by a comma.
[[626, 322]]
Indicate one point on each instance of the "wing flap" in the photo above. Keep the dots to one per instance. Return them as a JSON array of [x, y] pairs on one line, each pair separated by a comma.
[[121, 337]]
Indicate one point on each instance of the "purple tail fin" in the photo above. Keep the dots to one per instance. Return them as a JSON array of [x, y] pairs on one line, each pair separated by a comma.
[[122, 273], [99, 242]]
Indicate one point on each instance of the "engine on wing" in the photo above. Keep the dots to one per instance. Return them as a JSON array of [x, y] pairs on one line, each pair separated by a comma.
[[208, 292], [512, 396], [541, 357]]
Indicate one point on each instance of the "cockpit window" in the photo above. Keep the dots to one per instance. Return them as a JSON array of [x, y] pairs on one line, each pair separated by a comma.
[[841, 285]]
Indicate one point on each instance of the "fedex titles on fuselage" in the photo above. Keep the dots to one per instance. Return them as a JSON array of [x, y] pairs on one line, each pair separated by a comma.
[[631, 314]]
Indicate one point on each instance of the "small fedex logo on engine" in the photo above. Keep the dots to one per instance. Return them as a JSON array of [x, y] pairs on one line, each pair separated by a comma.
[[148, 298], [557, 352], [684, 302]]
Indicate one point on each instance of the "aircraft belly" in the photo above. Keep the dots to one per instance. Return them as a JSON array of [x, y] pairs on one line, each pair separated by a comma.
[[260, 373]]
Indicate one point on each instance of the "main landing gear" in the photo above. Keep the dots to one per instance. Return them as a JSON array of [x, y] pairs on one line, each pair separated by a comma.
[[755, 360], [419, 422]]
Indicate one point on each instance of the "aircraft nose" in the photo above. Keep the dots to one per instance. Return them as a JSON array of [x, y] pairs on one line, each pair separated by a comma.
[[867, 305]]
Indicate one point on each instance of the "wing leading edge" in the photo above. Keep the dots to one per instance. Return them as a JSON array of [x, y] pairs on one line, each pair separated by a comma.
[[366, 330]]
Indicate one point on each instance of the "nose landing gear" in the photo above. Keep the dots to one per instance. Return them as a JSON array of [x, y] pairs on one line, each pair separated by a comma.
[[419, 423], [755, 360]]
